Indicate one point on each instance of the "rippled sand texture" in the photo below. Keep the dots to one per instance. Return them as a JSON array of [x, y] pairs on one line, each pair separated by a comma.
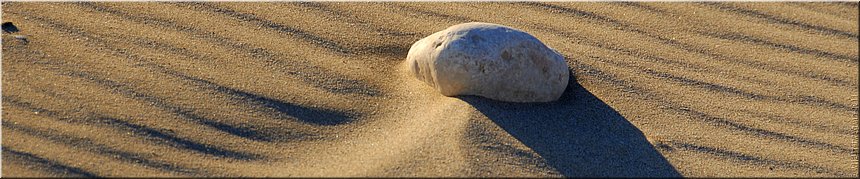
[[316, 89]]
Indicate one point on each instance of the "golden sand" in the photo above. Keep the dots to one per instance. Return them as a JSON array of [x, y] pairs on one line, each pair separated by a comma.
[[315, 89]]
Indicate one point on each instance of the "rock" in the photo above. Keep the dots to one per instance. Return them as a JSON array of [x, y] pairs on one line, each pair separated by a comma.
[[489, 60]]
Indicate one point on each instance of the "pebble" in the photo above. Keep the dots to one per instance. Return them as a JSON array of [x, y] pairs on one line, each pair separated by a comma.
[[489, 60]]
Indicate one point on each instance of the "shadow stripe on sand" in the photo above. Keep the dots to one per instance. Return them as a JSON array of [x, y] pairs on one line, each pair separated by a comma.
[[128, 91], [786, 47], [683, 46], [284, 29], [310, 74], [350, 18], [392, 50], [643, 6], [283, 109], [428, 13], [778, 20], [744, 158], [155, 135], [812, 100], [588, 70], [799, 99], [54, 167], [821, 128], [101, 149]]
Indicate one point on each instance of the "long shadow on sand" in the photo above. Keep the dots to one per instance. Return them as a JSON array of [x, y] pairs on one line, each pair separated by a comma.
[[579, 135]]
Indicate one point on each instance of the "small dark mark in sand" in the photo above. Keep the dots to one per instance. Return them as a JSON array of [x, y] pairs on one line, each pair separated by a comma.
[[8, 27]]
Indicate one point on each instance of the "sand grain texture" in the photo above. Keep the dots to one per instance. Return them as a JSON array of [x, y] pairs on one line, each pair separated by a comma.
[[318, 89]]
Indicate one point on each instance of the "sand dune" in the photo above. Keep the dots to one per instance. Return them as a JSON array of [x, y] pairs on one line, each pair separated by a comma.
[[316, 89]]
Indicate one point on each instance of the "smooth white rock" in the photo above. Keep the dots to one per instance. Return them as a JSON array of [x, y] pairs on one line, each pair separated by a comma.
[[489, 60]]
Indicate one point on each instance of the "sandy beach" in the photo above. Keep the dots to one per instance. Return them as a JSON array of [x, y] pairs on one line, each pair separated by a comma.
[[318, 89]]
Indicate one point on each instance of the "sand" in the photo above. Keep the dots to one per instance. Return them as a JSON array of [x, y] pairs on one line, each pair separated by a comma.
[[317, 89]]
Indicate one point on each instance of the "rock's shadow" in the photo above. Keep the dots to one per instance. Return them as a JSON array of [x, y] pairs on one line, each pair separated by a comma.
[[579, 135]]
